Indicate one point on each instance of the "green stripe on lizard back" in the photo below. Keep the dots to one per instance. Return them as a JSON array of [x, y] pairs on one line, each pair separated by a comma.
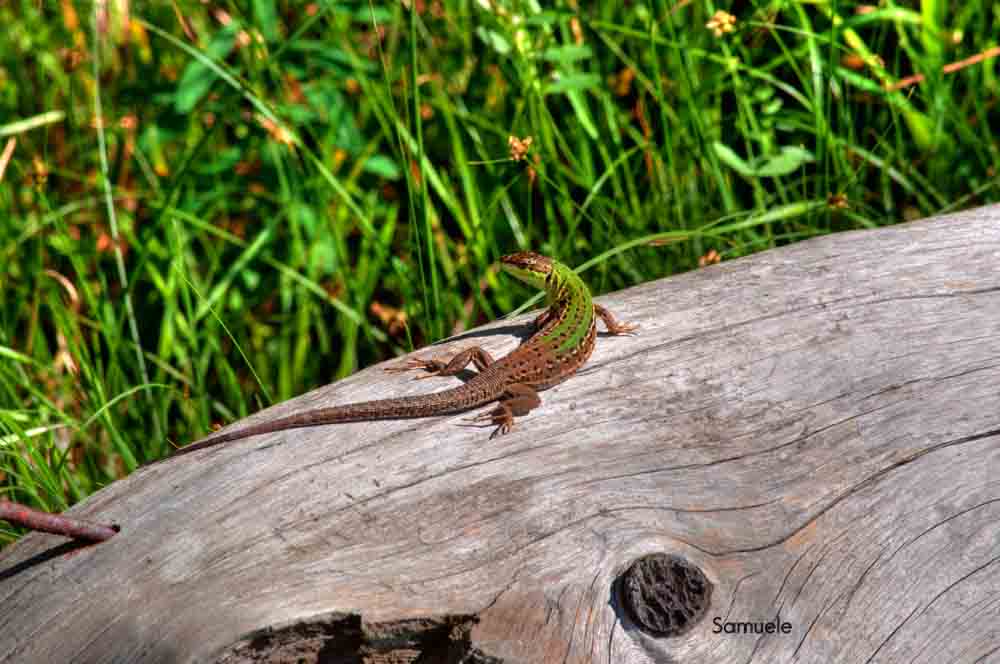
[[578, 311]]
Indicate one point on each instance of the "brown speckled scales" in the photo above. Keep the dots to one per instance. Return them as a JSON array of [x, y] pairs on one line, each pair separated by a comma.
[[563, 341]]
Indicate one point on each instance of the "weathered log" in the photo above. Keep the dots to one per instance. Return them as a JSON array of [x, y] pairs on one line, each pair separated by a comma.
[[808, 437]]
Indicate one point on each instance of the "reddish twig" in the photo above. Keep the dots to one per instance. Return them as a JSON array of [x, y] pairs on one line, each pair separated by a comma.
[[57, 524], [947, 69]]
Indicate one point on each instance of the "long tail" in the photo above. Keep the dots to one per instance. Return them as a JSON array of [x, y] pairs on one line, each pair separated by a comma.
[[446, 402]]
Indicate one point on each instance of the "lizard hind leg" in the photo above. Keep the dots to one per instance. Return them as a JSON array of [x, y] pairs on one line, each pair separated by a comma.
[[440, 367], [517, 400]]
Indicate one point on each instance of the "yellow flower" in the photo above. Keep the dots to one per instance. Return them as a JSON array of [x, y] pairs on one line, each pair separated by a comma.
[[721, 22]]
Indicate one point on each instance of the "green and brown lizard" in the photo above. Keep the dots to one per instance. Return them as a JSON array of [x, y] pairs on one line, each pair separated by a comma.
[[562, 342]]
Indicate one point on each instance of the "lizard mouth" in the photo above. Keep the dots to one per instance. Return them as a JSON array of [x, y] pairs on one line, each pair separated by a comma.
[[527, 266]]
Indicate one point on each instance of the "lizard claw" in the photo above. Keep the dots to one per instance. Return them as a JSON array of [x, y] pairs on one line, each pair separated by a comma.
[[414, 364], [425, 376], [406, 366], [501, 430], [497, 416], [624, 329], [474, 426], [504, 425]]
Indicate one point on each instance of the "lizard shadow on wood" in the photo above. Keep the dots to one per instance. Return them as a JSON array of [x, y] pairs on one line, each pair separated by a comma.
[[522, 331]]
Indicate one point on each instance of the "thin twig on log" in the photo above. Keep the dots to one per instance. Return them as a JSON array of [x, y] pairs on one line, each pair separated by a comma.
[[57, 524]]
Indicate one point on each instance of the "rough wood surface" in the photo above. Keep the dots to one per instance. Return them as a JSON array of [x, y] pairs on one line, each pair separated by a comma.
[[816, 429]]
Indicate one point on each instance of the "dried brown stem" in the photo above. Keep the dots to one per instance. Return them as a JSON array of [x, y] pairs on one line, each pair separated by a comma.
[[947, 69], [56, 524]]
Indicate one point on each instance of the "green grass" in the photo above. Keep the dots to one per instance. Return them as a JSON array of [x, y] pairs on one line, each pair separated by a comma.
[[281, 193]]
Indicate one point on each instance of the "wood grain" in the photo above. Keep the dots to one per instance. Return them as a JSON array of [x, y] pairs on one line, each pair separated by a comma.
[[815, 428]]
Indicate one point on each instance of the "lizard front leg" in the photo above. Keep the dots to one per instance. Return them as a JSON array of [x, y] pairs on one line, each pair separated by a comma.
[[541, 319], [439, 367], [614, 327], [518, 399]]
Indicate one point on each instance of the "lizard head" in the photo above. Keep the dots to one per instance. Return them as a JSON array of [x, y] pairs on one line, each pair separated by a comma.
[[529, 267]]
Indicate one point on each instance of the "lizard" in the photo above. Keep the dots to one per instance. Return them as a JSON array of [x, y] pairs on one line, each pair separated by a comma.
[[563, 340]]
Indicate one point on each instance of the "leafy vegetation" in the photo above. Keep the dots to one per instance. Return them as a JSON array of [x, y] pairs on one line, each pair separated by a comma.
[[208, 207]]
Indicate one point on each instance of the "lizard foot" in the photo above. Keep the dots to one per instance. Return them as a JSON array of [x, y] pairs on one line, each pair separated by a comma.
[[432, 367], [500, 416], [623, 328]]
